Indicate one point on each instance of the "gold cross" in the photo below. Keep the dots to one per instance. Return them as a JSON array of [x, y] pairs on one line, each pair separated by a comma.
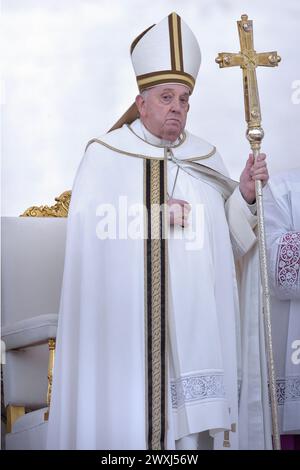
[[248, 59]]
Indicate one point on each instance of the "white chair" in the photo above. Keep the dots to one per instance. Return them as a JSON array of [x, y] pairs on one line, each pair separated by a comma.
[[32, 268]]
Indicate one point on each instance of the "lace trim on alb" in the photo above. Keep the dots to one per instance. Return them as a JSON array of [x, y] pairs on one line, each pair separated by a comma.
[[288, 261], [196, 388], [288, 389]]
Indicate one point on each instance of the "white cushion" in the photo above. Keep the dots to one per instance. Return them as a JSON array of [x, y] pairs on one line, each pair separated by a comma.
[[29, 332]]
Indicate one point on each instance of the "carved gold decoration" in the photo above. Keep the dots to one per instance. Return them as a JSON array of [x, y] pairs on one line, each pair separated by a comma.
[[226, 442], [51, 343], [60, 209], [12, 414]]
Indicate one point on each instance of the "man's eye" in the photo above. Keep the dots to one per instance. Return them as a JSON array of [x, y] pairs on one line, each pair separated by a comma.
[[184, 100], [166, 97]]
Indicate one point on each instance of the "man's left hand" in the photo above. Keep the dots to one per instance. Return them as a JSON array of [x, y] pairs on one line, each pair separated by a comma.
[[253, 171]]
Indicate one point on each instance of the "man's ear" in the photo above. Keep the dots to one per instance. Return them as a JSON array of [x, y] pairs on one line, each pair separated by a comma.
[[139, 101]]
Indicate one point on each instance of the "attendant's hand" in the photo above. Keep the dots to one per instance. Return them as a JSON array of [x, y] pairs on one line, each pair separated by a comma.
[[253, 171], [178, 212]]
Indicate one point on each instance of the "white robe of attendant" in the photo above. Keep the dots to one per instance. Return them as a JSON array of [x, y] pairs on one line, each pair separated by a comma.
[[282, 216], [98, 398]]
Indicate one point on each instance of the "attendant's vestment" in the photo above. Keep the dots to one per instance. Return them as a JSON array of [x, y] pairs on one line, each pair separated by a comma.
[[282, 215]]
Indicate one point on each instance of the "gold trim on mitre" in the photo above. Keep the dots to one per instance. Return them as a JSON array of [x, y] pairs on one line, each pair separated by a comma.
[[137, 39], [165, 76], [175, 42]]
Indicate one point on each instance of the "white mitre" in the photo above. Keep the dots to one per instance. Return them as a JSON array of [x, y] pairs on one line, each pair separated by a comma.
[[167, 52]]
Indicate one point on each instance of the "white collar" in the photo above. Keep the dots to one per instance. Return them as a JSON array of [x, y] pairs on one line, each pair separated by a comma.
[[146, 135]]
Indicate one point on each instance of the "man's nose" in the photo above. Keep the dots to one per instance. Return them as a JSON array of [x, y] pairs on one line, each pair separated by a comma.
[[175, 105]]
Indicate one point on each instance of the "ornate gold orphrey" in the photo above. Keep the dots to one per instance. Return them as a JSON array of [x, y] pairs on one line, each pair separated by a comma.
[[248, 59]]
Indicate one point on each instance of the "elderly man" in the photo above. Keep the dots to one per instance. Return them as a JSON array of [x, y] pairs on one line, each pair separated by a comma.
[[149, 349], [282, 216]]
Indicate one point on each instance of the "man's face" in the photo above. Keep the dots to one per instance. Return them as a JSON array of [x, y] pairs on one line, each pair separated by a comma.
[[163, 110]]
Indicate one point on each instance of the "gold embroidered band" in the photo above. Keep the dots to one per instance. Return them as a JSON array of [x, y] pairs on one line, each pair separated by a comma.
[[165, 76], [175, 42], [155, 303]]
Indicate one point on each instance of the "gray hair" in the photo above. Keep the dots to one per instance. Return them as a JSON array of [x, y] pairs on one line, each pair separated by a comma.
[[144, 93]]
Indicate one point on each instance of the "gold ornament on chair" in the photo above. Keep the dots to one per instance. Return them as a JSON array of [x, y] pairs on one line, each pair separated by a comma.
[[60, 209]]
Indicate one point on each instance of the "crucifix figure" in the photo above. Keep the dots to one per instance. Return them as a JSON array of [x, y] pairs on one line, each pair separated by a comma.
[[248, 59]]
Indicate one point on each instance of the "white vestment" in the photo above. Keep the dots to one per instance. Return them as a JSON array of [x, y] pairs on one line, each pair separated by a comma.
[[98, 397], [282, 216]]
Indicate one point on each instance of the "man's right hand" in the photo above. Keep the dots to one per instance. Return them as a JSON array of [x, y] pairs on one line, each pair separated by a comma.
[[178, 212]]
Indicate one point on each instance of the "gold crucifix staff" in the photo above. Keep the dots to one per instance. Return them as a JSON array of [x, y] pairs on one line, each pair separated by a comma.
[[248, 60]]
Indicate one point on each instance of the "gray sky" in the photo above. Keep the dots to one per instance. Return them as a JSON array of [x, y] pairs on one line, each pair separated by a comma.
[[67, 77]]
